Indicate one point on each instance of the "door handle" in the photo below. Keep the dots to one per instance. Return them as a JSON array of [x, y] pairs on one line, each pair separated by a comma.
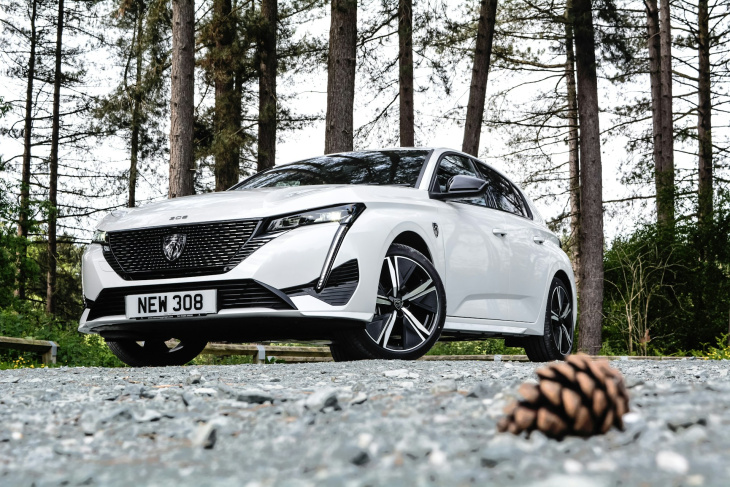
[[499, 233], [538, 240]]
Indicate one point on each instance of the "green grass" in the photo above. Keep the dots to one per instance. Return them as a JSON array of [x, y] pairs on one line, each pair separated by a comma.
[[489, 346]]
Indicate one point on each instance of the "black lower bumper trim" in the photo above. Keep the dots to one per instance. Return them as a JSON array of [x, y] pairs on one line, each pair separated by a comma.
[[243, 293], [341, 285], [233, 329]]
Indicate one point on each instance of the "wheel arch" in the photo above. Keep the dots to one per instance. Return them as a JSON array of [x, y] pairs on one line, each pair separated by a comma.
[[415, 241], [567, 278], [563, 276]]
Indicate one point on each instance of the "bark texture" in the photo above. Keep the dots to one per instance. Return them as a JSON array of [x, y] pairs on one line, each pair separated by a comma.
[[24, 211], [267, 85], [591, 205], [225, 143], [704, 113], [136, 112], [405, 79], [182, 166], [479, 75], [573, 148], [654, 47], [339, 125], [665, 193], [53, 169]]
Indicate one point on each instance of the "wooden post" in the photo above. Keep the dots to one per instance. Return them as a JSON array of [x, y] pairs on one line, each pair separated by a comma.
[[49, 357]]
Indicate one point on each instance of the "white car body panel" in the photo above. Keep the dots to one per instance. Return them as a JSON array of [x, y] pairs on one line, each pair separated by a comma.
[[494, 284], [478, 262]]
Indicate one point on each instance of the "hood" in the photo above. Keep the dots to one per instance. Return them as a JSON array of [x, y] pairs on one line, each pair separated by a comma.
[[250, 203]]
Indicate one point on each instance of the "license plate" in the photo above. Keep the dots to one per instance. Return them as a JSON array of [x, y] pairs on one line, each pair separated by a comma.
[[171, 304]]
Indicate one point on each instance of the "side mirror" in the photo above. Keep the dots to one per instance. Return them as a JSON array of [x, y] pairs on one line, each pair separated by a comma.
[[462, 187]]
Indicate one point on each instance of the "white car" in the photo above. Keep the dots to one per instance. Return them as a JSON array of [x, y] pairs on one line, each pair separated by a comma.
[[380, 252]]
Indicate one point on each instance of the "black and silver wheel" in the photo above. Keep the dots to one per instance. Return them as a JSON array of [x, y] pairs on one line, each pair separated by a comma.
[[410, 311], [557, 340], [155, 352]]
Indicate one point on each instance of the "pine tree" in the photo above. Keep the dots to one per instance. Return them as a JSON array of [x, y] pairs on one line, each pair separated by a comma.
[[479, 75], [135, 109], [339, 123], [53, 166], [405, 72], [24, 213], [226, 141], [591, 174], [182, 164], [268, 65]]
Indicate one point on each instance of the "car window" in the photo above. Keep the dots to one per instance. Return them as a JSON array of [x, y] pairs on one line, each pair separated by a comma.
[[454, 165], [493, 194], [502, 194], [387, 167]]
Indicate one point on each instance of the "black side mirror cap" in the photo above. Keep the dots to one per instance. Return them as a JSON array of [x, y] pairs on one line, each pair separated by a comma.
[[462, 187]]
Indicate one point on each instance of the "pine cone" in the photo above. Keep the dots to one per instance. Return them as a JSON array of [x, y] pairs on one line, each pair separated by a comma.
[[578, 397]]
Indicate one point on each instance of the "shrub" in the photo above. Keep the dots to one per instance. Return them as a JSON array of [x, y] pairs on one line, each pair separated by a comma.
[[74, 348], [668, 293]]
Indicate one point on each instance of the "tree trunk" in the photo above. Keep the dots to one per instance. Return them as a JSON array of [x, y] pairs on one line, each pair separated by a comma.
[[654, 46], [405, 78], [225, 147], [591, 205], [339, 125], [665, 195], [479, 74], [704, 113], [182, 87], [573, 156], [136, 108], [267, 85], [24, 211], [53, 166], [239, 77]]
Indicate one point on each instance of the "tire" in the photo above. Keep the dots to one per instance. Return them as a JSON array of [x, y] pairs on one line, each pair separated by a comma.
[[409, 313], [556, 343], [155, 353]]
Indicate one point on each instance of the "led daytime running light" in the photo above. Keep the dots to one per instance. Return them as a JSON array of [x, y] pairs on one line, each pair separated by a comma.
[[340, 214]]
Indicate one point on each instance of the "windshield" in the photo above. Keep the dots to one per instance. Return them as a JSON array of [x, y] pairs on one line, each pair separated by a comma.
[[398, 167]]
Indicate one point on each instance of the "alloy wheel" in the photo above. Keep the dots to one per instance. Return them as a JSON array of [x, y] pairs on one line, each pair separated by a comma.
[[561, 320], [407, 306]]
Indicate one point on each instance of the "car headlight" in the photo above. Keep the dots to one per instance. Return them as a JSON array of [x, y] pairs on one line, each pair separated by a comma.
[[342, 214], [100, 236]]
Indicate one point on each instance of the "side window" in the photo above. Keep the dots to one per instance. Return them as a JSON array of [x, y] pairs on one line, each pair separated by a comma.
[[503, 195], [522, 202], [454, 165], [493, 195]]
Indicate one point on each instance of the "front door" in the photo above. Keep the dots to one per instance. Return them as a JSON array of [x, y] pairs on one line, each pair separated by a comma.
[[476, 252], [529, 258]]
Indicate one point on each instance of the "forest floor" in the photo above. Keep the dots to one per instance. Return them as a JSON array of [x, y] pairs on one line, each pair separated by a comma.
[[355, 424]]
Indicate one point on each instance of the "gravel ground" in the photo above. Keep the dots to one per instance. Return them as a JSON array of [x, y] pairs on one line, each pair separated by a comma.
[[353, 424]]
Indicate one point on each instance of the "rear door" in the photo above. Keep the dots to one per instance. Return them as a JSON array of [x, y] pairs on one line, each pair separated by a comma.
[[476, 253], [529, 258]]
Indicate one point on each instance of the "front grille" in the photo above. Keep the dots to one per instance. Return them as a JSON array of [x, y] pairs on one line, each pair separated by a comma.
[[340, 286], [244, 293], [210, 248]]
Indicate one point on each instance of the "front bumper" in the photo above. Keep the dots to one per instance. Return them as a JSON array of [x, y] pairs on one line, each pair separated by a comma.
[[275, 283]]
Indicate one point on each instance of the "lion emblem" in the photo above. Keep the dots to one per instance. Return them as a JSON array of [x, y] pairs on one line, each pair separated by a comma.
[[173, 246]]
